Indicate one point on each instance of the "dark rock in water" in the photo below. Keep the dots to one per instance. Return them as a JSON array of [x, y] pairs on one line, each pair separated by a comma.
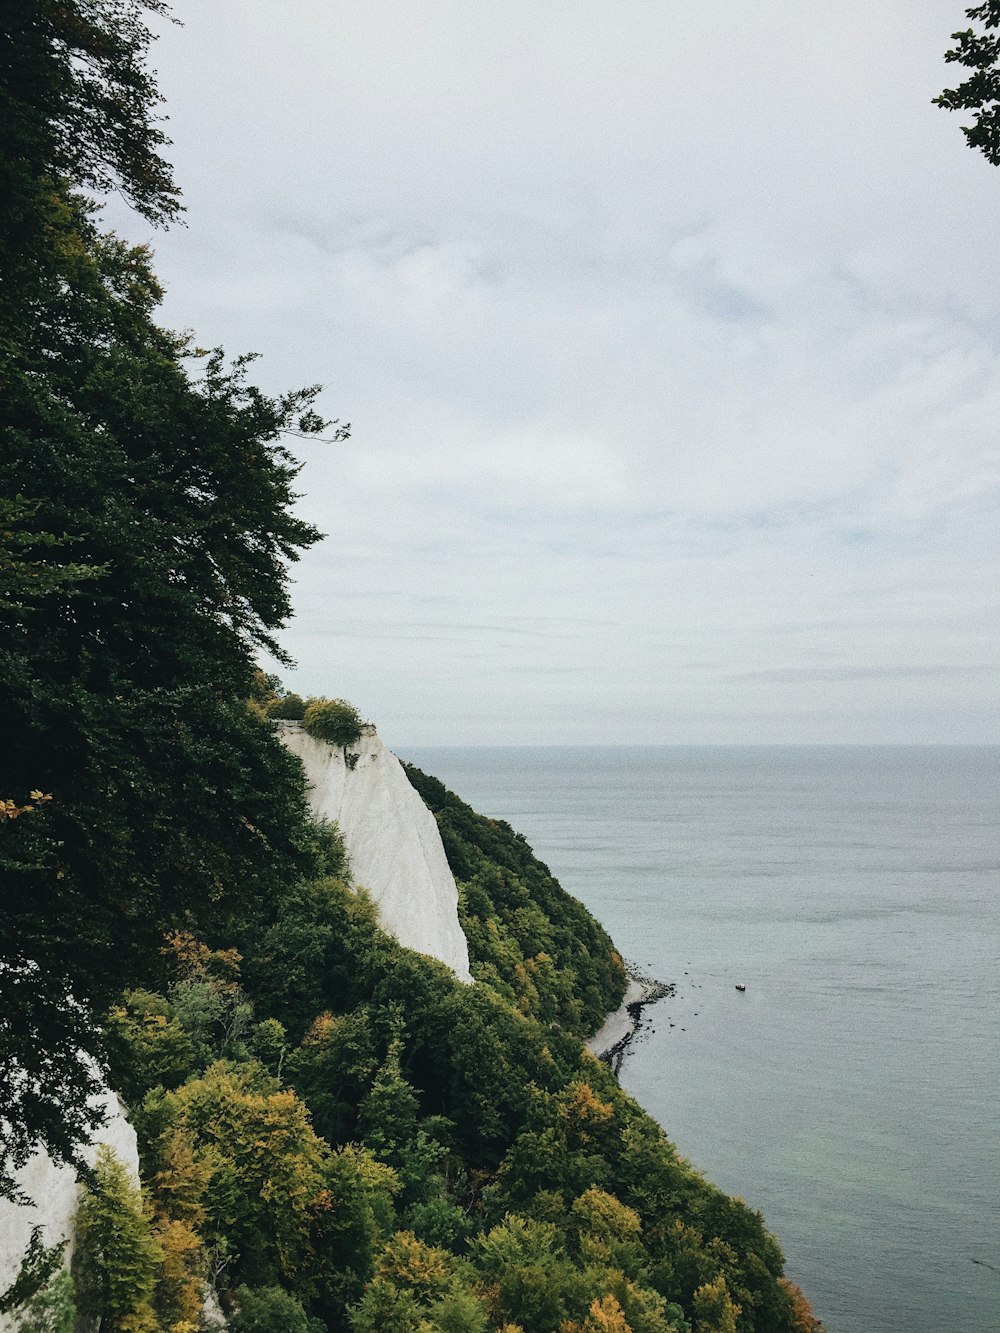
[[651, 991]]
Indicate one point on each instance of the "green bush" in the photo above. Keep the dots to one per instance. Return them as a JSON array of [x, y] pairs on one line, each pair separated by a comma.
[[291, 707], [271, 1310], [333, 720], [51, 1310]]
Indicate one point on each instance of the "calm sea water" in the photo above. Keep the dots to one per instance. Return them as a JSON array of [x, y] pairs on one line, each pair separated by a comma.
[[852, 1093]]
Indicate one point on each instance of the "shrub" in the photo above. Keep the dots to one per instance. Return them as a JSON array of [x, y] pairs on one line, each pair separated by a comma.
[[271, 1310], [51, 1310], [333, 720], [291, 707]]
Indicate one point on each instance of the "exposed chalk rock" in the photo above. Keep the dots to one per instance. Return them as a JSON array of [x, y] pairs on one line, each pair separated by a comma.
[[391, 837], [54, 1191]]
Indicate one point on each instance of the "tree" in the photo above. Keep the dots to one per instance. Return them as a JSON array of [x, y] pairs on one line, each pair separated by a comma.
[[287, 1208], [123, 697], [144, 545], [27, 569], [714, 1311], [387, 1117], [528, 938], [980, 52], [39, 1264], [270, 1310], [117, 1257], [78, 97]]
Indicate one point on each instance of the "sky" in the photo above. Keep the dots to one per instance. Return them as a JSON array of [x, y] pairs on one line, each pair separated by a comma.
[[668, 336]]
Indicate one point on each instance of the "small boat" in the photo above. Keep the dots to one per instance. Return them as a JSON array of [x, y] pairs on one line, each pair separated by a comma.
[[740, 985]]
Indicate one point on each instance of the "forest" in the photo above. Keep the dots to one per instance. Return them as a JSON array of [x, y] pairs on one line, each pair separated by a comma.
[[334, 1133]]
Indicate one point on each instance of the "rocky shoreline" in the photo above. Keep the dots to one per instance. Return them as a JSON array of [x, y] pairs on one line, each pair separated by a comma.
[[615, 1035]]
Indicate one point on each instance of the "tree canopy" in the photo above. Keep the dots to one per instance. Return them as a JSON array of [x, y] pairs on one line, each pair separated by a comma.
[[145, 535], [978, 49]]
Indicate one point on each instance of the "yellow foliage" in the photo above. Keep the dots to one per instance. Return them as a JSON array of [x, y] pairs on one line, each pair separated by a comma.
[[584, 1113], [408, 1262], [320, 1030], [183, 1178], [197, 962], [605, 1316], [11, 810], [802, 1314], [375, 1176], [142, 1321], [714, 1309], [604, 1215], [180, 1281]]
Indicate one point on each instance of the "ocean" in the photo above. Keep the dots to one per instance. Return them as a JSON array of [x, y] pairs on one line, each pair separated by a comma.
[[852, 1091]]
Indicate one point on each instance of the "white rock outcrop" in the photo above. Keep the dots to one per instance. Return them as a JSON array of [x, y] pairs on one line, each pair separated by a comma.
[[54, 1192], [391, 837]]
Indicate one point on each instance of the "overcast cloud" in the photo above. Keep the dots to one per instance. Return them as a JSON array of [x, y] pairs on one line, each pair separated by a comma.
[[669, 337]]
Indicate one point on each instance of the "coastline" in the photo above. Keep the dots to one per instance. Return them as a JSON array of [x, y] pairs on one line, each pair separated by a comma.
[[613, 1038]]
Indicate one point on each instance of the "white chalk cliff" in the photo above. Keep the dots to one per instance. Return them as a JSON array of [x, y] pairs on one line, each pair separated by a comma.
[[54, 1192], [391, 837]]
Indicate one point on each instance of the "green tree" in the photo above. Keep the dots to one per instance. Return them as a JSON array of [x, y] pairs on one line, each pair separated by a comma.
[[528, 938], [145, 536], [978, 50], [39, 1264], [290, 1210], [116, 1258], [385, 1306], [531, 1272], [270, 1310], [714, 1311], [123, 695], [387, 1117], [33, 564], [290, 706], [77, 97]]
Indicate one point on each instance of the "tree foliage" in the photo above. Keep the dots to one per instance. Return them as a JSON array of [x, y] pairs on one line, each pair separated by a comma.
[[332, 720], [116, 1256], [978, 50], [52, 1309], [145, 536], [78, 98], [528, 938], [504, 1178]]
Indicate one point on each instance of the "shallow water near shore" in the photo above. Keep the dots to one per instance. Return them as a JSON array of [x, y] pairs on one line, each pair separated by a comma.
[[852, 1092]]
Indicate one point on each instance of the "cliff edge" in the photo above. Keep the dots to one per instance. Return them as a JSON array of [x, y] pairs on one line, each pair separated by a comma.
[[391, 837]]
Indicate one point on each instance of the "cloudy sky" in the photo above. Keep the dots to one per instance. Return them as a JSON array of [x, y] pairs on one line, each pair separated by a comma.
[[668, 333]]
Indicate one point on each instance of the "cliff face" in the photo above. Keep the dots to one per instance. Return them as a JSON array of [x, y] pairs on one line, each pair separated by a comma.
[[54, 1192], [391, 837]]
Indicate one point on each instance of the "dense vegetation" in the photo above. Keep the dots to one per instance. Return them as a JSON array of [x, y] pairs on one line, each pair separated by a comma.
[[145, 530], [335, 1133], [333, 1125], [528, 939]]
